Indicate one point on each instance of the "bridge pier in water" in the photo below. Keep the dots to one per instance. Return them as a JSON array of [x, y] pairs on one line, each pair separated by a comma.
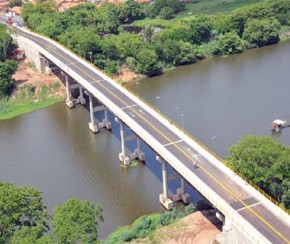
[[181, 194], [95, 125], [70, 101], [137, 154]]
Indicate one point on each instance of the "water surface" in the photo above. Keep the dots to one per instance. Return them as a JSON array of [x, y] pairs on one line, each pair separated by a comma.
[[218, 99]]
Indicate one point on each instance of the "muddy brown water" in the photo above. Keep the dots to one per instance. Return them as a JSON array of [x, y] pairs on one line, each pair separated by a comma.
[[217, 100]]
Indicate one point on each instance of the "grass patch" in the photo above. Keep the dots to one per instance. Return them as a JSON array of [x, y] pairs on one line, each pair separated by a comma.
[[10, 109], [214, 6], [28, 99], [197, 7], [156, 22], [143, 225]]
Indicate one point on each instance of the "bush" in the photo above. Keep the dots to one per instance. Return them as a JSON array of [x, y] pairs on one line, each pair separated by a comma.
[[262, 32], [7, 69], [143, 228], [126, 237], [229, 43], [147, 62], [130, 62], [166, 13], [168, 217], [189, 209], [112, 66]]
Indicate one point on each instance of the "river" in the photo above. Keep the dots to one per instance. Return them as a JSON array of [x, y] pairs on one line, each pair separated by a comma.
[[217, 100]]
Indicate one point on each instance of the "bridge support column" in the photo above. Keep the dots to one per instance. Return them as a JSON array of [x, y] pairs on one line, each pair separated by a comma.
[[81, 98], [137, 154], [69, 101], [44, 65], [163, 197], [181, 194], [95, 125]]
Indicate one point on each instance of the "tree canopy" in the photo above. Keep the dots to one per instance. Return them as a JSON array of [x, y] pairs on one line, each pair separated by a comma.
[[24, 218], [97, 33], [265, 162], [20, 207], [76, 221], [7, 69], [6, 45]]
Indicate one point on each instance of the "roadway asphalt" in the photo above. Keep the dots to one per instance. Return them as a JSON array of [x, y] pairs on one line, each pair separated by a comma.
[[249, 208]]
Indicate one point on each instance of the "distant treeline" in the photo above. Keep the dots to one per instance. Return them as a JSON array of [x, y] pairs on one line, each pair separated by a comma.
[[98, 34]]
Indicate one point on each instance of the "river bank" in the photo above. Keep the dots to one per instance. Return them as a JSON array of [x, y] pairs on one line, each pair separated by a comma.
[[185, 225], [33, 91]]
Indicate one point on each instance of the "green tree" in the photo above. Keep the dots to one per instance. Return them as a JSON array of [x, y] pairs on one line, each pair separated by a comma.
[[285, 199], [129, 11], [6, 45], [32, 13], [201, 27], [238, 19], [229, 43], [175, 5], [147, 62], [178, 52], [20, 207], [28, 235], [148, 32], [76, 221], [265, 162], [262, 32], [166, 13], [7, 69]]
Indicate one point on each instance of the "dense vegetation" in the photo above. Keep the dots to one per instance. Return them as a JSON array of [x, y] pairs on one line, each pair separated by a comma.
[[146, 225], [24, 218], [27, 97], [7, 67], [264, 162], [99, 35]]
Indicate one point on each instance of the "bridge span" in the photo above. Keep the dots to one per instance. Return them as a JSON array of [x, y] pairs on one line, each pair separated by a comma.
[[247, 215]]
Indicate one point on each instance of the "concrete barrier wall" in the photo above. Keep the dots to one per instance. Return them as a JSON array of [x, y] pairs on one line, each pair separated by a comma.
[[31, 51]]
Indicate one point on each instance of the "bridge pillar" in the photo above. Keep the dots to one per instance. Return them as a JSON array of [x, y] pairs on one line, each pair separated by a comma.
[[181, 194], [81, 98], [137, 154], [69, 101], [44, 65], [163, 197], [95, 125]]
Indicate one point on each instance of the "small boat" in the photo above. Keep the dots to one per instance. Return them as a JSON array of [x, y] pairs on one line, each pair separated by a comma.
[[277, 125]]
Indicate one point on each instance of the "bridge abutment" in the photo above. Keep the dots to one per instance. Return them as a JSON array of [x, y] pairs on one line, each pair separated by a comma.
[[124, 157], [181, 194]]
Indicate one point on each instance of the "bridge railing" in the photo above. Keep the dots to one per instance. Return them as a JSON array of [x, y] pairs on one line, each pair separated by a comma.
[[205, 151]]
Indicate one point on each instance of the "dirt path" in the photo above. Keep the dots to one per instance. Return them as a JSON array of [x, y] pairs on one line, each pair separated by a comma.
[[28, 74], [199, 228]]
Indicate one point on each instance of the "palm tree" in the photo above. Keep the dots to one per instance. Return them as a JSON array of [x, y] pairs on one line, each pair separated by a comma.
[[148, 32]]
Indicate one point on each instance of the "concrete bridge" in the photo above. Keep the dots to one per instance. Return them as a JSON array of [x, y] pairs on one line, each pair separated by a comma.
[[248, 217]]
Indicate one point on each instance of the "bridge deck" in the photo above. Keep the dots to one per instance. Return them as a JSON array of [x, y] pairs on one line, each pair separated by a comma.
[[246, 205]]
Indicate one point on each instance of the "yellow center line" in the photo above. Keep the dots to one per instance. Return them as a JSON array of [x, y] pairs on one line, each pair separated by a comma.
[[181, 150]]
